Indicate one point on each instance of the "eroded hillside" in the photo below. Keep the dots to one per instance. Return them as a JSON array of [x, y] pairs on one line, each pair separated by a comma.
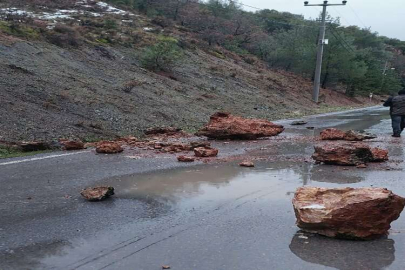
[[99, 89]]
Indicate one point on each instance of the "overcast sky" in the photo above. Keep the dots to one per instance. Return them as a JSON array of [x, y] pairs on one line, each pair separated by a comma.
[[387, 17]]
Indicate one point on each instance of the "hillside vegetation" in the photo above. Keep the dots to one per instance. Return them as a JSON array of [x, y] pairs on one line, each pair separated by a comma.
[[91, 69]]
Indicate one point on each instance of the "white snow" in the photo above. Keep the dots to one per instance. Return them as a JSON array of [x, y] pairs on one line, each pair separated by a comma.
[[80, 5], [314, 206], [111, 9]]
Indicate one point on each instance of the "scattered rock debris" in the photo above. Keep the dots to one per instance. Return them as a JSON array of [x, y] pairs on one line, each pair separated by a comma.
[[97, 193], [350, 213], [226, 126]]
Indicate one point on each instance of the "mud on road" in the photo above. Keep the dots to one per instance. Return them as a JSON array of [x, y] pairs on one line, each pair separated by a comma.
[[193, 216]]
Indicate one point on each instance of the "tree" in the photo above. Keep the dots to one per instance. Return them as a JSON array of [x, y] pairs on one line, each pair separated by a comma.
[[161, 56]]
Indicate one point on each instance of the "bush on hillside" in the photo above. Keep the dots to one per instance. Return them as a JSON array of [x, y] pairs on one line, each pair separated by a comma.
[[64, 36], [161, 56]]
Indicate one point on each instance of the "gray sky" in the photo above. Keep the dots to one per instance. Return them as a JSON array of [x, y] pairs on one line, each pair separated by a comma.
[[387, 17]]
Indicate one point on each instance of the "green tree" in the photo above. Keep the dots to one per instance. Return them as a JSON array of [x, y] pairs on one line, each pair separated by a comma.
[[161, 56]]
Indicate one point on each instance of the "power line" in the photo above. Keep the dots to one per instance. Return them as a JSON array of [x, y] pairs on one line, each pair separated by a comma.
[[350, 50], [290, 24], [340, 15], [358, 17], [247, 5], [343, 39]]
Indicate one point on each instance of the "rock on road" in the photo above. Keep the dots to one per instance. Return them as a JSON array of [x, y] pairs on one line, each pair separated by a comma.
[[192, 216]]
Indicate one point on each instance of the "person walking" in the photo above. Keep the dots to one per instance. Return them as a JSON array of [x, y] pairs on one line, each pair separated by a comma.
[[397, 112]]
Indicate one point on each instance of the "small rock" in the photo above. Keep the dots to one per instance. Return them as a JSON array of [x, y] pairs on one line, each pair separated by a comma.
[[248, 164], [185, 159], [361, 166], [311, 128], [72, 145], [97, 193], [200, 144], [34, 146], [108, 148], [205, 152], [165, 267], [299, 123]]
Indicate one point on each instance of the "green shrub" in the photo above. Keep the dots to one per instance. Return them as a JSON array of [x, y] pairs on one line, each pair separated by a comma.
[[161, 56], [63, 36], [110, 24]]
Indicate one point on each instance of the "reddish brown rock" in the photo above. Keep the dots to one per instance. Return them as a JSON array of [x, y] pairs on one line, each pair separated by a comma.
[[72, 145], [351, 213], [97, 193], [248, 164], [34, 146], [205, 152], [108, 148], [361, 166], [226, 126], [348, 154], [177, 147], [200, 144], [332, 134], [336, 134], [185, 159]]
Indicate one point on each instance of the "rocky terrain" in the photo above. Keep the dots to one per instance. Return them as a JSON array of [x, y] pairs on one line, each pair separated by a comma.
[[99, 90]]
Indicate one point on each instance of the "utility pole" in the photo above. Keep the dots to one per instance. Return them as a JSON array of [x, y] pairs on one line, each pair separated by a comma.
[[321, 42], [384, 74]]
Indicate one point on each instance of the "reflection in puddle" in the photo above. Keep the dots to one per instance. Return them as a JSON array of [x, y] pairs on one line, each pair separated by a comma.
[[29, 257], [203, 185], [344, 254]]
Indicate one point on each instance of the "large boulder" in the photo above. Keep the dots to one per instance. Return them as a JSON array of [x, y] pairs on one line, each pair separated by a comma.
[[226, 126], [97, 193], [351, 135], [108, 148], [351, 213], [348, 154]]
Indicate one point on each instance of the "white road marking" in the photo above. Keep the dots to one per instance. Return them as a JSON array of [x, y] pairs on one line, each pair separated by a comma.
[[41, 158]]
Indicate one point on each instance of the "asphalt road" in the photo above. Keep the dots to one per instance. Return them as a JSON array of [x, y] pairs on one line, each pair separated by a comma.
[[191, 217]]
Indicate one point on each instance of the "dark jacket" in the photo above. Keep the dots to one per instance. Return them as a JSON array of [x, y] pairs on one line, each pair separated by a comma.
[[396, 104]]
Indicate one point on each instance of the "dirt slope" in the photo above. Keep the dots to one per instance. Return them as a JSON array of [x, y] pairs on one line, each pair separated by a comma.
[[48, 92]]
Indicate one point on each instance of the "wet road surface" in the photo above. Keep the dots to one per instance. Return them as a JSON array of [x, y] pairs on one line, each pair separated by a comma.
[[204, 216]]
